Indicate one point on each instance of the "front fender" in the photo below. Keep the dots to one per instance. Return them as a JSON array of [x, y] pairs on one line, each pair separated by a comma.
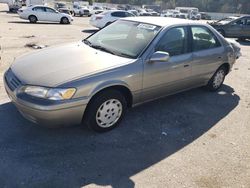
[[108, 84]]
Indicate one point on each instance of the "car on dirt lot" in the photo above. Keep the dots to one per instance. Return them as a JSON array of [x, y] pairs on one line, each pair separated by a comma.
[[79, 10], [44, 13], [234, 27], [105, 18], [129, 62]]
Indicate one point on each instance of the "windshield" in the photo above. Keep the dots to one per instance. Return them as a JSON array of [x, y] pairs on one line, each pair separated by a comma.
[[123, 38]]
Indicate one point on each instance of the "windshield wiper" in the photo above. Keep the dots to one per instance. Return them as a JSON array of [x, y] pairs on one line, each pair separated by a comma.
[[86, 41], [98, 47], [125, 55]]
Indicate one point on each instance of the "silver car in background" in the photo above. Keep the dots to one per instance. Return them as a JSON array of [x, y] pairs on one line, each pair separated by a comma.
[[129, 62]]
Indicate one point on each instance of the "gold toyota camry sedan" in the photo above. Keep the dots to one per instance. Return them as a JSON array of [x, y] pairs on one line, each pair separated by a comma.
[[129, 62]]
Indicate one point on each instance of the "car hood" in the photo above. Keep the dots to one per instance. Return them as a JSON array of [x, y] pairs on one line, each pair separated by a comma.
[[54, 66]]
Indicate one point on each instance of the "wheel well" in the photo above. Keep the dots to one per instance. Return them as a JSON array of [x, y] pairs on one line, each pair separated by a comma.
[[32, 15], [63, 17], [226, 66], [124, 90]]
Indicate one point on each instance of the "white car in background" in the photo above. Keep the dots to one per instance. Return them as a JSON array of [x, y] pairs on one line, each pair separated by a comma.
[[103, 19], [95, 10], [80, 10], [171, 13], [44, 13]]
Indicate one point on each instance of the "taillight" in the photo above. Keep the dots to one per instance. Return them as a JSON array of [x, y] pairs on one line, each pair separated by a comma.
[[98, 17]]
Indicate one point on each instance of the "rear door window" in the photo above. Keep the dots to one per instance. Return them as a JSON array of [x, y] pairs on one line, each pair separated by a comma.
[[203, 38], [119, 14], [39, 9]]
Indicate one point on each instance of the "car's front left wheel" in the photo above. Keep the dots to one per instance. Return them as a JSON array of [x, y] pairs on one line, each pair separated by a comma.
[[64, 20], [105, 111], [32, 19]]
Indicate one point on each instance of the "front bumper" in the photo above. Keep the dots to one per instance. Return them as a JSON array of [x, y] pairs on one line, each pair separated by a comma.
[[54, 115]]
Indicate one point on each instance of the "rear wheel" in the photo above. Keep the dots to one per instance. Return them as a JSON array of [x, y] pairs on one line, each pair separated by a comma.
[[105, 111], [32, 19], [217, 80]]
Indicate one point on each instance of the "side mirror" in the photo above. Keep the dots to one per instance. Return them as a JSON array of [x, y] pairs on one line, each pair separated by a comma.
[[159, 56]]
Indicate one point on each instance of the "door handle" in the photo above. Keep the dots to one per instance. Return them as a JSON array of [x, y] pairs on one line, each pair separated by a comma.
[[186, 65]]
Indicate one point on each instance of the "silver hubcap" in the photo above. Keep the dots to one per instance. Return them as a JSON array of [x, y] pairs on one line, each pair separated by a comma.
[[109, 113], [65, 20], [218, 79]]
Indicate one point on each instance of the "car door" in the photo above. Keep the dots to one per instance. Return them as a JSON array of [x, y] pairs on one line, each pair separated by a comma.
[[40, 13], [235, 28], [52, 15], [163, 78], [208, 54], [247, 28]]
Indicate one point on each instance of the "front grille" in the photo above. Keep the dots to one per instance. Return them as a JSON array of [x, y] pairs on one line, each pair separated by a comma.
[[86, 11], [12, 81]]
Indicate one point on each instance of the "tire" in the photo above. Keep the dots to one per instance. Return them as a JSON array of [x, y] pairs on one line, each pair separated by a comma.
[[105, 111], [222, 32], [64, 20], [32, 19], [217, 79]]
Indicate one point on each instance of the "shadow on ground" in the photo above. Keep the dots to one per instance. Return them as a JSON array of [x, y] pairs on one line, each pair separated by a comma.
[[32, 156], [90, 30], [40, 23]]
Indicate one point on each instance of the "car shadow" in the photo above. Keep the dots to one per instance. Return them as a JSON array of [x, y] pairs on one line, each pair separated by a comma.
[[40, 23], [8, 12], [90, 30], [34, 156]]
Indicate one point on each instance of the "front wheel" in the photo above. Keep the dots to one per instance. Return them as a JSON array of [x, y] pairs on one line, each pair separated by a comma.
[[105, 111], [32, 19], [217, 80], [64, 20]]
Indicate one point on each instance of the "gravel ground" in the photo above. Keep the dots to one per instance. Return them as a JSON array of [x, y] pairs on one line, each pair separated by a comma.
[[192, 139]]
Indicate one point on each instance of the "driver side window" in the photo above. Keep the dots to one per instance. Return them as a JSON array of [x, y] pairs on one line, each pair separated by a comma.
[[174, 41], [239, 22], [50, 10]]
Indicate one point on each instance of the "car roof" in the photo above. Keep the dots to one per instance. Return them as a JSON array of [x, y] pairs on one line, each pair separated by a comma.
[[162, 21], [39, 6], [110, 11]]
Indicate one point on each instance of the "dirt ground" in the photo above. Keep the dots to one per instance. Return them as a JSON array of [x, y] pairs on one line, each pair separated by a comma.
[[192, 139]]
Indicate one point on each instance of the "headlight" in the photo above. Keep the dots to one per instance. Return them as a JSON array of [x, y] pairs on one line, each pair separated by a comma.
[[50, 93]]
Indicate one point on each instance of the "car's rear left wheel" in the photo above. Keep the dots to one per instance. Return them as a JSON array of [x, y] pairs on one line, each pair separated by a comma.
[[105, 111], [217, 80]]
